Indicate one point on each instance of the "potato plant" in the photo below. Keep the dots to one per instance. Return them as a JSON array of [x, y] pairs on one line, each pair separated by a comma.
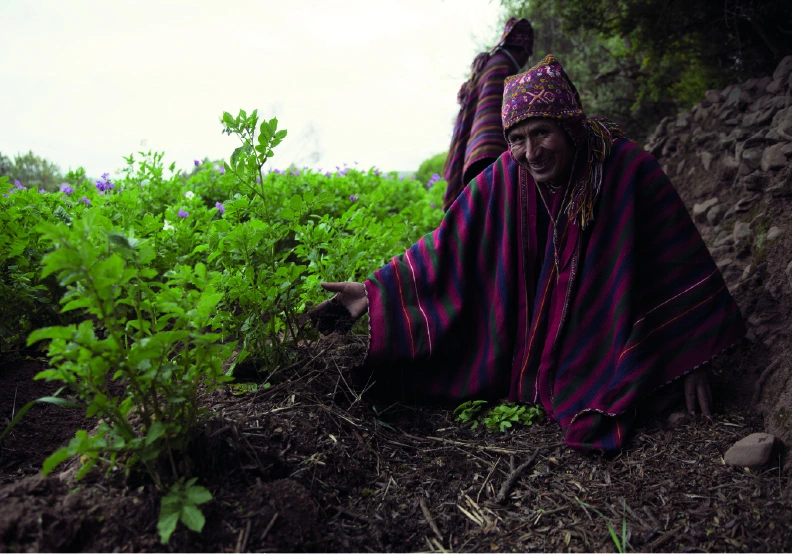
[[142, 286]]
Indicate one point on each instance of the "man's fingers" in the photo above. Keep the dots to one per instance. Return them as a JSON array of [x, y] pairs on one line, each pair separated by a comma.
[[334, 287], [688, 386], [704, 400]]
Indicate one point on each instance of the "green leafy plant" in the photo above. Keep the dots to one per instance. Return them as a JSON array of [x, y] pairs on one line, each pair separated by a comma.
[[141, 286], [502, 417], [468, 411], [181, 504], [620, 545], [152, 332]]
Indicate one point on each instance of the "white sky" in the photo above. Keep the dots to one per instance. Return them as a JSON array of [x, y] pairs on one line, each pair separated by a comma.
[[85, 83]]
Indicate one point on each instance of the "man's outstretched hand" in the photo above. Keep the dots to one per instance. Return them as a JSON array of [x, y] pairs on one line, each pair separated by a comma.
[[697, 390], [340, 312]]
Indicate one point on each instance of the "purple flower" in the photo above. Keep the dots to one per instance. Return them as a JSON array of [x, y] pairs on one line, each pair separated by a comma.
[[432, 205], [377, 172], [87, 202], [295, 172], [104, 183], [221, 208], [356, 163], [18, 185], [196, 163], [327, 174], [42, 191], [5, 196], [277, 171], [183, 214], [259, 180], [66, 189], [353, 198], [222, 170]]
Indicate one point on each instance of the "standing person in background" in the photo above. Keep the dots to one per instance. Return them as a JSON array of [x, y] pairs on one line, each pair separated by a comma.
[[478, 139]]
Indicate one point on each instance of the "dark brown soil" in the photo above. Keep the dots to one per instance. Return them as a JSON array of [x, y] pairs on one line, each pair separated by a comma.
[[310, 465], [44, 428]]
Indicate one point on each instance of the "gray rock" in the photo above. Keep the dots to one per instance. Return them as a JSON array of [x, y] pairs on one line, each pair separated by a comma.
[[779, 102], [752, 451], [764, 117], [718, 251], [752, 156], [670, 146], [682, 119], [744, 204], [714, 214], [781, 190], [775, 157], [732, 122], [723, 263], [730, 164], [759, 104], [782, 70], [707, 159], [713, 96], [741, 232], [676, 419], [723, 238], [700, 209], [757, 139], [699, 138], [733, 97], [762, 83], [774, 86], [781, 123], [680, 166], [749, 119], [754, 182], [773, 233], [744, 169], [656, 148]]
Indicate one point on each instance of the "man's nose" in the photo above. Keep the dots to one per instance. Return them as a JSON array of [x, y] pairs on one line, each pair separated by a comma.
[[532, 151]]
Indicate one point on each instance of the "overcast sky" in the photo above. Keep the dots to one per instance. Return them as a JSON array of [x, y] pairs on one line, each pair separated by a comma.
[[85, 83]]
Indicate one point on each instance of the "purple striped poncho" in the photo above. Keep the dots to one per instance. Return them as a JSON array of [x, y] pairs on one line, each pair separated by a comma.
[[475, 310], [478, 134]]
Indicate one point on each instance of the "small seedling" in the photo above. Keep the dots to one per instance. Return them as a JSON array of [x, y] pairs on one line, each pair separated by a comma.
[[467, 411]]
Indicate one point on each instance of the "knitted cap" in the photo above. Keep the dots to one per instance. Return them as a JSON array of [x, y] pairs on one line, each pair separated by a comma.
[[545, 90], [518, 32]]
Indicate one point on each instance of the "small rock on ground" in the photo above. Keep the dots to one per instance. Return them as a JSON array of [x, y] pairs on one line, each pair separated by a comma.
[[752, 451]]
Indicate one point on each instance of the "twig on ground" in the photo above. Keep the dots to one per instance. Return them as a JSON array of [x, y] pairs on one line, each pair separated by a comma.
[[428, 516], [488, 477], [507, 486], [269, 526]]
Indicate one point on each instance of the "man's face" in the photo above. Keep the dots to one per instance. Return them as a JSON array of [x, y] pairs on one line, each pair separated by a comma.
[[542, 148]]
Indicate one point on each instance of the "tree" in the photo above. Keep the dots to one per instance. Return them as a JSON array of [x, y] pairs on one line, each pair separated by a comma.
[[431, 166], [32, 171], [638, 60]]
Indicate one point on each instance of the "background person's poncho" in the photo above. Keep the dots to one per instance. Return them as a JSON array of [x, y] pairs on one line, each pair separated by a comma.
[[474, 310], [477, 135]]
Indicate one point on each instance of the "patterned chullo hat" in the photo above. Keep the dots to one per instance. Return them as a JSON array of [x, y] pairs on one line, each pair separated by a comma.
[[546, 91], [517, 32]]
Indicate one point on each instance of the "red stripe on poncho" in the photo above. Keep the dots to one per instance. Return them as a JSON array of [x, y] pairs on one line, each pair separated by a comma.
[[475, 309]]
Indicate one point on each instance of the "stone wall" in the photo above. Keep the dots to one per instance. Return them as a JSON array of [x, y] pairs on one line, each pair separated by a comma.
[[730, 160]]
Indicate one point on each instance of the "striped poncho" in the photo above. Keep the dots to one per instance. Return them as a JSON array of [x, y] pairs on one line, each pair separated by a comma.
[[476, 310], [477, 134]]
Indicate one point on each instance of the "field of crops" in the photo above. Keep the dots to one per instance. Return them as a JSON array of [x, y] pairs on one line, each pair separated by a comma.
[[141, 288]]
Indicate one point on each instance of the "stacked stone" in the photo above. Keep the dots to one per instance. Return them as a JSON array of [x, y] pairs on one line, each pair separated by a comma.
[[730, 159]]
